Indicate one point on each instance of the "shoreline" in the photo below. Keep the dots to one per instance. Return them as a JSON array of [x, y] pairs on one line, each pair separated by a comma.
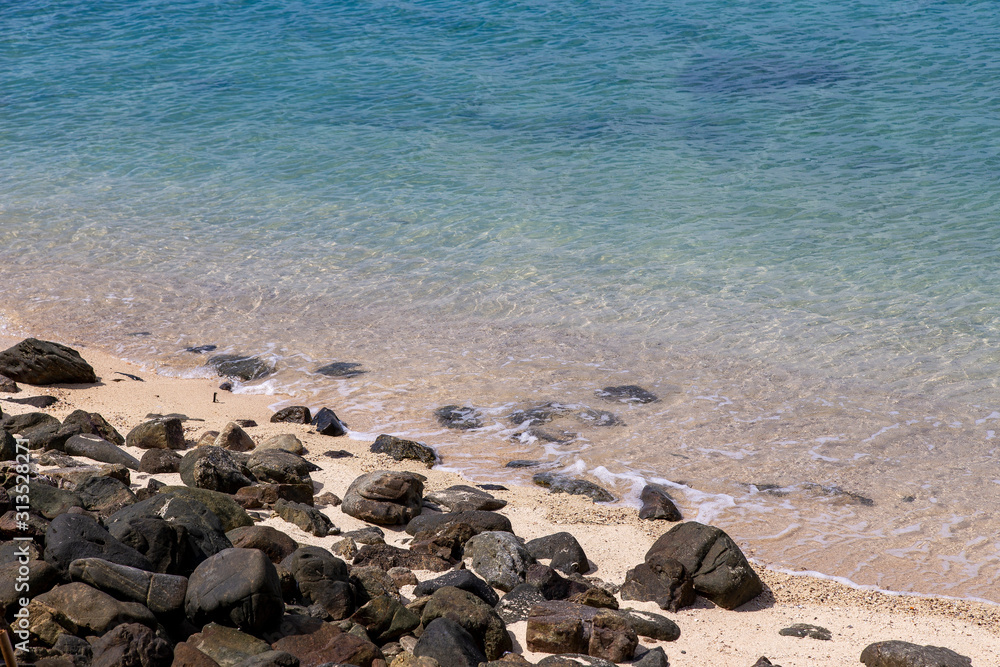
[[613, 537]]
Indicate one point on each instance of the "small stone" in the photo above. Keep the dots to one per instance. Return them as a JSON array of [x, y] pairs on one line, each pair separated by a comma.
[[8, 386], [657, 504], [40, 362], [462, 497], [234, 438], [338, 454], [805, 630], [157, 434], [341, 369], [581, 487], [156, 461], [401, 449], [285, 442], [305, 517]]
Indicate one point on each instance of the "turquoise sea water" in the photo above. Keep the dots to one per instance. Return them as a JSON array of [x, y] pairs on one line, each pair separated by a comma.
[[781, 217]]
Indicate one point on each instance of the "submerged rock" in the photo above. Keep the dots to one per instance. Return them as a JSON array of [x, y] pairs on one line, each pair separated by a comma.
[[401, 449], [580, 487], [627, 393], [239, 366], [341, 369], [459, 418]]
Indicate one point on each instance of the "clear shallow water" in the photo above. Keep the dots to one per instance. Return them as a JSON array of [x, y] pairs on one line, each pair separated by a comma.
[[781, 219]]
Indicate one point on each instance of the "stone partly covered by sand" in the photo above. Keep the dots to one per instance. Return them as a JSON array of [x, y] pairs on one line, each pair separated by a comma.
[[131, 563]]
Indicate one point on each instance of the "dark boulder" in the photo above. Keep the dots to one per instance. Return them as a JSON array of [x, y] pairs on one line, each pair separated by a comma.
[[161, 593], [295, 414], [166, 433], [239, 366], [386, 556], [655, 657], [73, 536], [40, 362], [215, 469], [385, 619], [479, 521], [230, 514], [401, 449], [156, 461], [550, 584], [904, 654], [385, 497], [461, 579], [132, 645], [234, 438], [280, 467], [461, 497], [274, 543], [236, 587], [477, 617], [42, 431], [322, 579], [309, 519], [92, 423], [717, 567], [499, 558], [97, 448], [104, 495], [515, 606], [8, 386], [450, 644], [82, 610], [803, 630], [662, 580], [657, 504], [627, 393], [175, 534], [224, 645], [579, 487], [330, 646], [563, 549], [8, 446], [266, 495], [37, 575], [327, 423], [50, 501]]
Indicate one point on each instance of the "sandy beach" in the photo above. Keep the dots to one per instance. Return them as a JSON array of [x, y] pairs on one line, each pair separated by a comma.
[[613, 537]]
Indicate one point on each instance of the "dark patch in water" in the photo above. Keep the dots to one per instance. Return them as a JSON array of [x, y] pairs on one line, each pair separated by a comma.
[[733, 74]]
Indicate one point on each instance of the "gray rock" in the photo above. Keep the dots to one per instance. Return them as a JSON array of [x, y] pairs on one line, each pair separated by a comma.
[[97, 448], [654, 657], [227, 646], [239, 366], [285, 442], [717, 567], [516, 605], [156, 461], [461, 579], [104, 495], [40, 362], [385, 497], [161, 593], [236, 587], [82, 610], [479, 521], [401, 449], [657, 504], [563, 549], [213, 468], [341, 369], [73, 536], [295, 414], [579, 487], [462, 497], [42, 431], [230, 514], [305, 517], [322, 579], [450, 644], [234, 438], [904, 654], [36, 574], [274, 543], [280, 467], [92, 423], [132, 645], [175, 534], [49, 501], [385, 619], [165, 433], [498, 558], [477, 617]]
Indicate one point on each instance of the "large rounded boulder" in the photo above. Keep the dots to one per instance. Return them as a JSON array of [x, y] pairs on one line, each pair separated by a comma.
[[236, 587]]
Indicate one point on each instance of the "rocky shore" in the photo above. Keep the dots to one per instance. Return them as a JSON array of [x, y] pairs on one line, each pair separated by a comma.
[[144, 521]]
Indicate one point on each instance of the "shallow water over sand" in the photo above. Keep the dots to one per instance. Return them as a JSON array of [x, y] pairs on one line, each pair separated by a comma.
[[782, 223]]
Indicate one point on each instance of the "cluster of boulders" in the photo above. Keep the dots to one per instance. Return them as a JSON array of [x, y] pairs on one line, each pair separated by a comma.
[[184, 575]]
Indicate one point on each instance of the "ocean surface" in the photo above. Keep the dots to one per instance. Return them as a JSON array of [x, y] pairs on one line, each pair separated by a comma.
[[782, 219]]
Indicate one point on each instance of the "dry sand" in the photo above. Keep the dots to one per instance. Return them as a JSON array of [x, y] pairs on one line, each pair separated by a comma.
[[613, 537]]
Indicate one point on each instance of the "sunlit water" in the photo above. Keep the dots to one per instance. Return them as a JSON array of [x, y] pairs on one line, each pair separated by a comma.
[[781, 219]]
